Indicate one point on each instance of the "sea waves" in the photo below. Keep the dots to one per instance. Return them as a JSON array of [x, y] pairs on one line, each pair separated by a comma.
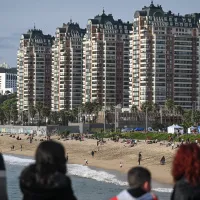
[[79, 170]]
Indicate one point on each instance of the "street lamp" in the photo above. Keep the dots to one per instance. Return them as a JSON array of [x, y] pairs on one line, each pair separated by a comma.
[[116, 107], [161, 113], [146, 119], [104, 124]]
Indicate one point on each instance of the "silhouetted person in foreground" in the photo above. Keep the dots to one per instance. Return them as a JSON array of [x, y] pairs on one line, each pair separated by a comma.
[[139, 180], [186, 173], [46, 179], [3, 187]]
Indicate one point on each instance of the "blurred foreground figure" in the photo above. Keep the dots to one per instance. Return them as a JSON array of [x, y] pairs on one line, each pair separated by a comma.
[[139, 180], [46, 179], [186, 173], [3, 187]]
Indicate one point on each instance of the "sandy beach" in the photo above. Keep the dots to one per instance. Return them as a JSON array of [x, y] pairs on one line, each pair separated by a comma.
[[109, 155]]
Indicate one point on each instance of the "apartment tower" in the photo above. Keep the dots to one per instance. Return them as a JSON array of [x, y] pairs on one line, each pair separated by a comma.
[[34, 69], [67, 67], [106, 61], [164, 57]]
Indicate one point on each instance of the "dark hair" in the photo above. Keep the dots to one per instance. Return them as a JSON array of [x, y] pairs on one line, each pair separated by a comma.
[[137, 176], [187, 163], [50, 158]]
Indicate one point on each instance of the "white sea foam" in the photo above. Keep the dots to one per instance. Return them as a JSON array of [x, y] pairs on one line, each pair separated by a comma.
[[166, 190], [99, 175], [79, 170], [14, 160]]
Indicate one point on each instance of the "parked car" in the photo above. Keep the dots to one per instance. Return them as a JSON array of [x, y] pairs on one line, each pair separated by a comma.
[[139, 129], [125, 130]]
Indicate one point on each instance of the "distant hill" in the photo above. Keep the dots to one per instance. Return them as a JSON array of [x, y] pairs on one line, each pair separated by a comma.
[[8, 70]]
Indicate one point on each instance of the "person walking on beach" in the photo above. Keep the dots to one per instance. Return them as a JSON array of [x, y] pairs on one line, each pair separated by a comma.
[[86, 162], [92, 153], [186, 173], [139, 158], [46, 178], [139, 180], [21, 147], [67, 157], [3, 187]]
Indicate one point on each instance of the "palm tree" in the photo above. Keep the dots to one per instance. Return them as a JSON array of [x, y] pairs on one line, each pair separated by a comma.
[[55, 117], [62, 117], [14, 113], [147, 106], [169, 104], [179, 110], [134, 111], [134, 108], [24, 116], [89, 108], [46, 111], [39, 107], [97, 109], [32, 112], [2, 116]]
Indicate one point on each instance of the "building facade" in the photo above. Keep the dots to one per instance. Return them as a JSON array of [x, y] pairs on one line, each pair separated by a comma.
[[8, 83], [67, 67], [164, 58], [106, 61], [34, 69]]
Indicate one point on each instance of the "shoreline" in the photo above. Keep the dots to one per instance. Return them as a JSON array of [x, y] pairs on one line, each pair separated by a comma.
[[108, 157]]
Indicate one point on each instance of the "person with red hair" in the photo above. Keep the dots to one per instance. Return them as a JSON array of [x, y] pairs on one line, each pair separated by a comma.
[[186, 173]]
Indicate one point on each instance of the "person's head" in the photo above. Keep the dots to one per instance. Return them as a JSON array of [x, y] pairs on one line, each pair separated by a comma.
[[187, 163], [139, 177], [50, 158]]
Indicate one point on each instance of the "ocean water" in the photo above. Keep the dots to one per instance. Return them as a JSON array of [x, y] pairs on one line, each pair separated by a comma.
[[88, 183]]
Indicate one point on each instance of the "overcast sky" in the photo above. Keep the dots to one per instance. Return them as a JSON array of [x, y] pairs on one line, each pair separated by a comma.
[[17, 16]]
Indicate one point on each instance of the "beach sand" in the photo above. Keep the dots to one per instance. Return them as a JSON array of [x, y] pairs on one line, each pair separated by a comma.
[[109, 155]]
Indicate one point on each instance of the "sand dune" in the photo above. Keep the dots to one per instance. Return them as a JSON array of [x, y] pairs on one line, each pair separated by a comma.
[[109, 155]]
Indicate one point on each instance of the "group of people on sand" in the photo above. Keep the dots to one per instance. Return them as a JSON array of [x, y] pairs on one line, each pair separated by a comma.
[[46, 179]]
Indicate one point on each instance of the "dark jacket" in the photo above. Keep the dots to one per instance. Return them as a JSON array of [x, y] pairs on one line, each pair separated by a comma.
[[3, 187], [58, 186], [183, 190]]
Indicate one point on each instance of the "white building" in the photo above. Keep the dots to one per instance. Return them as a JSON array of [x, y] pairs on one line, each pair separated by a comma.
[[34, 69], [67, 67], [8, 82], [106, 61], [164, 58]]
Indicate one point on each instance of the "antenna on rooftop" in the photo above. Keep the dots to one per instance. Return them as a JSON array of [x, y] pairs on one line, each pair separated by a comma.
[[103, 11], [34, 26]]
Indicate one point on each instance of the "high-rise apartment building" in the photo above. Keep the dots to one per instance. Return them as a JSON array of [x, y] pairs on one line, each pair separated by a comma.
[[106, 61], [34, 69], [164, 57], [67, 67]]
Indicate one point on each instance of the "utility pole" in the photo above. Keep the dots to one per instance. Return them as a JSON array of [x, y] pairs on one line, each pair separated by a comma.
[[161, 119], [192, 116], [22, 117], [146, 120], [116, 116], [104, 125]]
